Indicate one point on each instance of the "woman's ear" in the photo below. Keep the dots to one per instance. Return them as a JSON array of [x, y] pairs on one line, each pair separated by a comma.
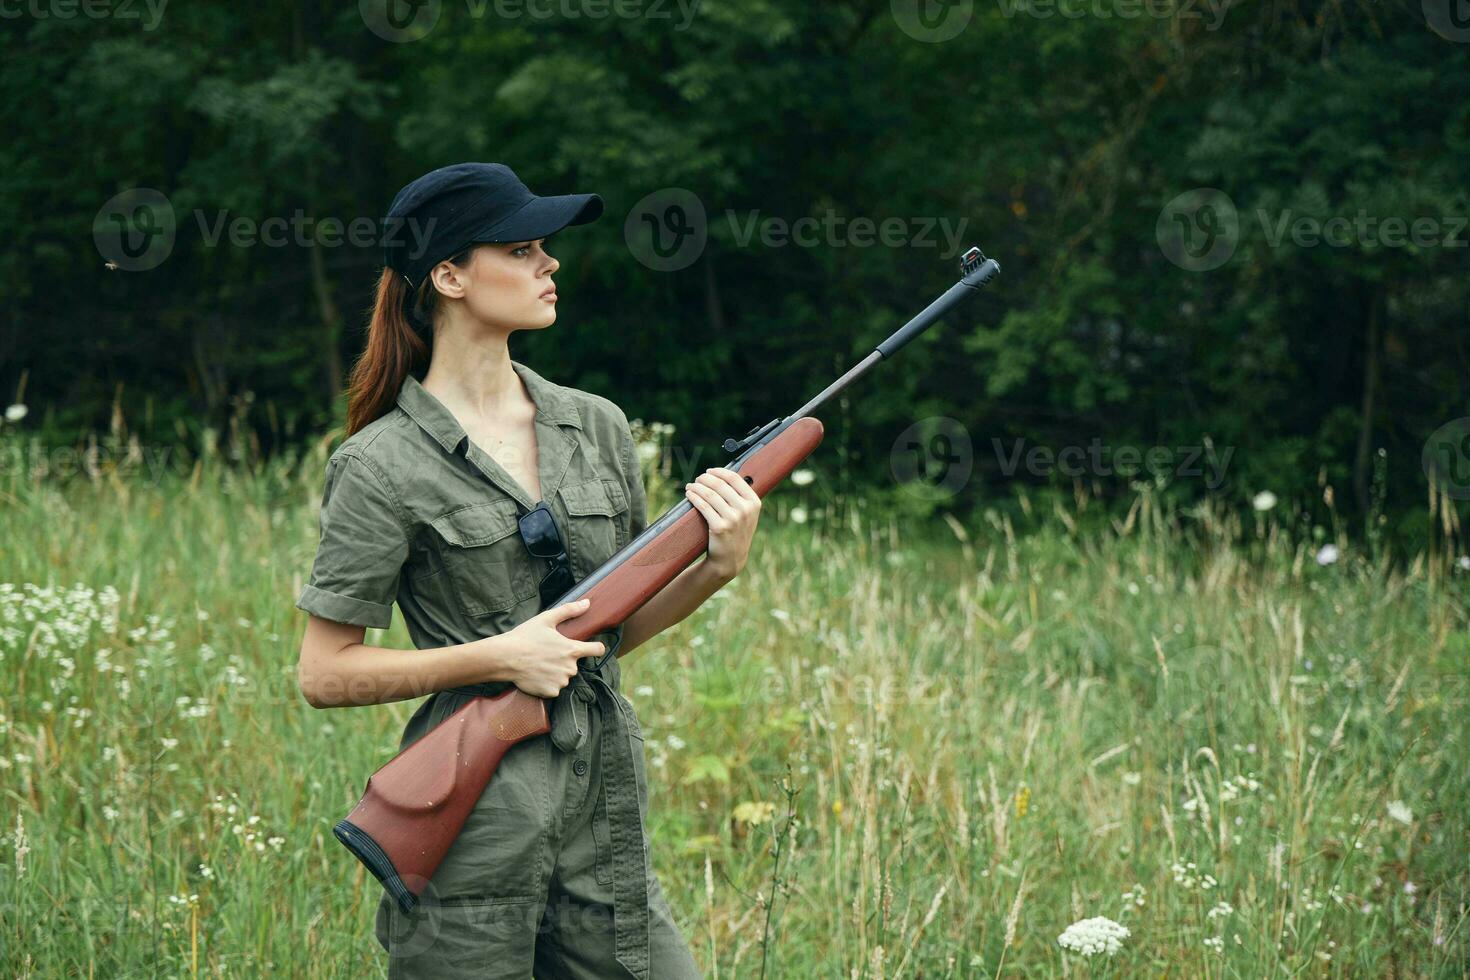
[[449, 279]]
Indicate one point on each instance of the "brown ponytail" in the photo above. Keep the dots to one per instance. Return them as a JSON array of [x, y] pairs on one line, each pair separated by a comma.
[[399, 342]]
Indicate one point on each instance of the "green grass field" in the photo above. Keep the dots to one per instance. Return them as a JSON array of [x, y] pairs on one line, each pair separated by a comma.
[[875, 754]]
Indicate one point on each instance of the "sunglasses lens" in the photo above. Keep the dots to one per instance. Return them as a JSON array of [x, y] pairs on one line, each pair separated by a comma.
[[538, 530], [557, 583]]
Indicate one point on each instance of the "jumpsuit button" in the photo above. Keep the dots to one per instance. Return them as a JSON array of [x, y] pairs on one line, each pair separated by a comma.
[[580, 767]]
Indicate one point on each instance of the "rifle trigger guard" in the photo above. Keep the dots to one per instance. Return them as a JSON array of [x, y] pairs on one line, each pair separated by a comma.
[[612, 651]]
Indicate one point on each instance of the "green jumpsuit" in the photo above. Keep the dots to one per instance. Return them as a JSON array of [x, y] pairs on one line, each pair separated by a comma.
[[550, 876]]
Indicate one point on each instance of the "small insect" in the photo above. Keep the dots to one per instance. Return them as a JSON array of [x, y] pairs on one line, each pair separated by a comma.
[[110, 266]]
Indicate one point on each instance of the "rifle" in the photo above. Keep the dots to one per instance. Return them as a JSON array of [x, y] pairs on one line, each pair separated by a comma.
[[415, 805]]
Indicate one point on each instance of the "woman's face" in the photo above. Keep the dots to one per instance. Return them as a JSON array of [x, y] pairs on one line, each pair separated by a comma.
[[506, 286]]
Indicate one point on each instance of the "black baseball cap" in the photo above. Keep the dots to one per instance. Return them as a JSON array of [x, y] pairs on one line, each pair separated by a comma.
[[440, 213]]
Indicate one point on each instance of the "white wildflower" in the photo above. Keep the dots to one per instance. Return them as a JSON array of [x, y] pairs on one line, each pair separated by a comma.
[[1327, 555], [1132, 778], [22, 848], [1399, 810], [1264, 501], [1096, 935], [1464, 562], [15, 413], [802, 477], [798, 515]]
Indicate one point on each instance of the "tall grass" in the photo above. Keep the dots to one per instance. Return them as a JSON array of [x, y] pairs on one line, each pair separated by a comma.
[[885, 750]]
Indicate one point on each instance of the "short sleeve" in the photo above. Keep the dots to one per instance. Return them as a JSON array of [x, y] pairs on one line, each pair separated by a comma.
[[633, 477], [361, 551]]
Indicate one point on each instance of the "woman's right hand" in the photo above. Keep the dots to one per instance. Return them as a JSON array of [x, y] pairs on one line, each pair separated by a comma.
[[540, 660]]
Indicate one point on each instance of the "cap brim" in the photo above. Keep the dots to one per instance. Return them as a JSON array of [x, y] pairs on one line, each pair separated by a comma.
[[544, 216]]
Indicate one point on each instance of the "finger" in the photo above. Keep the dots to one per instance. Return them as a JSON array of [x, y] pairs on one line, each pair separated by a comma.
[[712, 520], [721, 485], [567, 610], [738, 481], [594, 648], [717, 504]]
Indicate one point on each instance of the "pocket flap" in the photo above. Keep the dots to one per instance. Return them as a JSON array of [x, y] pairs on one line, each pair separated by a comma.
[[478, 524], [603, 497]]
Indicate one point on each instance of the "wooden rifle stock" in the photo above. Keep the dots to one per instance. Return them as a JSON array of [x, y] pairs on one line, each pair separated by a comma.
[[415, 805]]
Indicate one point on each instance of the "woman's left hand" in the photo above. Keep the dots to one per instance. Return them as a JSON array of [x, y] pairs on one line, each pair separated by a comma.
[[731, 509]]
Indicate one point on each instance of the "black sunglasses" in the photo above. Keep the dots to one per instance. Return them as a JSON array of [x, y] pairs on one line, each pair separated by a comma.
[[542, 540]]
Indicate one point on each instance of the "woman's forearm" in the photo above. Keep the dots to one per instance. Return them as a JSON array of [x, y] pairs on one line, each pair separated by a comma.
[[670, 605], [359, 674]]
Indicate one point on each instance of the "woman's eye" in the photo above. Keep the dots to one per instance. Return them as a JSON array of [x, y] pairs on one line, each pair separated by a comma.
[[527, 248]]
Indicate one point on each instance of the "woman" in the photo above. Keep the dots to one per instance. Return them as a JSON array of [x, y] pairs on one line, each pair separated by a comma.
[[460, 467]]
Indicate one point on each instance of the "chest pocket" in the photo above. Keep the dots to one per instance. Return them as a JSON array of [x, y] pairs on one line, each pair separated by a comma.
[[484, 557], [597, 515]]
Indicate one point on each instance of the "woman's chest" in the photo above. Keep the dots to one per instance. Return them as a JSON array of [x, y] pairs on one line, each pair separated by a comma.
[[514, 449]]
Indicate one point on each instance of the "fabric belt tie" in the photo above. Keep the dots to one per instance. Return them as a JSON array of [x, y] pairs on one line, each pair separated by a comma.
[[569, 727]]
